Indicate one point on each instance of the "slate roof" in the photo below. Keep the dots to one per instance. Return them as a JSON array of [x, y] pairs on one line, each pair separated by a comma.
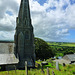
[[71, 57], [8, 59]]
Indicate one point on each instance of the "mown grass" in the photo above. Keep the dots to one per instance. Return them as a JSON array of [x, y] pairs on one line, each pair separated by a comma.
[[66, 70]]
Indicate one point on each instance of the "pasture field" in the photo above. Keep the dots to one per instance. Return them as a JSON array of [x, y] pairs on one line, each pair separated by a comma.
[[68, 44], [62, 44]]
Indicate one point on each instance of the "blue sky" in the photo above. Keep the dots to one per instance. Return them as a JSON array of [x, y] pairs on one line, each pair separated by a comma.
[[41, 1], [71, 32], [53, 20], [9, 13], [72, 2], [72, 35]]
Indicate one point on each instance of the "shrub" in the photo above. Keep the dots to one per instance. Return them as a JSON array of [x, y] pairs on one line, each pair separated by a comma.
[[42, 49]]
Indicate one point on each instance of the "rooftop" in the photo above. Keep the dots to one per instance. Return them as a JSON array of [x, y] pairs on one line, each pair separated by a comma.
[[71, 57], [8, 59]]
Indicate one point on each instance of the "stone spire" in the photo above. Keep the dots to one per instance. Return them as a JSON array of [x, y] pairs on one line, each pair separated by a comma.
[[24, 37], [24, 13]]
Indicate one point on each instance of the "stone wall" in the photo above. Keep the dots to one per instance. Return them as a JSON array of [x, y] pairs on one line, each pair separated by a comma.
[[6, 47]]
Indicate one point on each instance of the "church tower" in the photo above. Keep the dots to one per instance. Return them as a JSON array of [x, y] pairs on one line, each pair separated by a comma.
[[24, 37]]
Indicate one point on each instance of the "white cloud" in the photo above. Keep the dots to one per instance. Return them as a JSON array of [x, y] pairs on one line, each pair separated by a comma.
[[53, 24], [7, 22], [50, 20], [63, 32]]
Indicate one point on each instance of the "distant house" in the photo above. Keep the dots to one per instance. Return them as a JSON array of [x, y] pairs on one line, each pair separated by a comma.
[[70, 58], [67, 59]]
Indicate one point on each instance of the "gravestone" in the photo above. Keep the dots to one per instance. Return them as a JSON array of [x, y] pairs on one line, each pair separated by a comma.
[[26, 69], [57, 65], [48, 71]]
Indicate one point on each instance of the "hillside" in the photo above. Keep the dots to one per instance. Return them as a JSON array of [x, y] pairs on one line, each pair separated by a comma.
[[62, 44], [62, 48]]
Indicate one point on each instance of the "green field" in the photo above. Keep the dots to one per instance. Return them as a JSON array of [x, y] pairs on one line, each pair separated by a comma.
[[62, 44], [59, 49], [63, 71], [67, 70]]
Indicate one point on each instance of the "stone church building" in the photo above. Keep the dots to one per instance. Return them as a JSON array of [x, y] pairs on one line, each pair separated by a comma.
[[24, 37], [22, 49]]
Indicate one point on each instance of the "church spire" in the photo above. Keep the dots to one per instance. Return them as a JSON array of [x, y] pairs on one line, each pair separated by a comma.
[[24, 37], [24, 12]]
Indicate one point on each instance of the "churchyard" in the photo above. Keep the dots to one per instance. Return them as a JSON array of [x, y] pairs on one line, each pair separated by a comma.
[[26, 52], [48, 69]]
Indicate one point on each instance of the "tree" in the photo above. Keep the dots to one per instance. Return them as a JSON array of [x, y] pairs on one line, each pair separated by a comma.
[[42, 49]]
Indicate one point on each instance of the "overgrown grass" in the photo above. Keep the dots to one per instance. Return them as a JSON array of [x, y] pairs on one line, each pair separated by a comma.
[[66, 70]]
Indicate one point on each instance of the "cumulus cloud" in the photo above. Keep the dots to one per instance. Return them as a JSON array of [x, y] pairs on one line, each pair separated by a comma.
[[8, 13], [52, 20]]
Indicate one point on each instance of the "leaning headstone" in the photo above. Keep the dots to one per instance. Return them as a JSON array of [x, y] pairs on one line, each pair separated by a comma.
[[57, 65], [26, 68], [48, 71]]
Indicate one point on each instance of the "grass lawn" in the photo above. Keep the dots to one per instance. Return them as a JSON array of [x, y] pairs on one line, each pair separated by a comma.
[[67, 70]]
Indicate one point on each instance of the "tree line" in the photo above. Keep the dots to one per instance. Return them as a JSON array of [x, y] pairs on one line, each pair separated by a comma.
[[44, 51]]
